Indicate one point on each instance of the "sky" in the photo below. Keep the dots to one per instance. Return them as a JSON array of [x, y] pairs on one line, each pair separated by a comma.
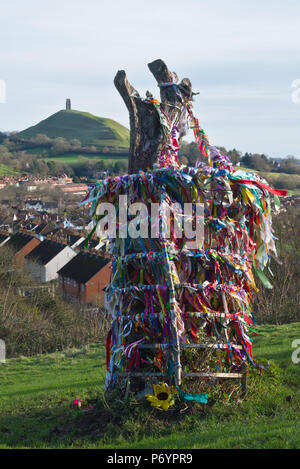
[[242, 56]]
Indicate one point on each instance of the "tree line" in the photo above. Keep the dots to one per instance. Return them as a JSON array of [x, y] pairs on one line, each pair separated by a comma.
[[31, 157], [189, 154], [26, 157]]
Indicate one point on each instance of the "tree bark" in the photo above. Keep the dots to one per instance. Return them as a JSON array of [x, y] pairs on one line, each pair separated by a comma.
[[147, 136]]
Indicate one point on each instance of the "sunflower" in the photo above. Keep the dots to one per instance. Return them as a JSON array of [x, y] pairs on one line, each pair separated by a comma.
[[162, 397]]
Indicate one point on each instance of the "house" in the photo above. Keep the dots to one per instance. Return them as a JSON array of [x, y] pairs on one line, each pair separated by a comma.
[[50, 207], [48, 230], [28, 185], [75, 241], [62, 180], [72, 239], [39, 206], [5, 202], [101, 174], [47, 259], [22, 244], [31, 224], [34, 205], [78, 224], [7, 222], [74, 188], [4, 237], [84, 278]]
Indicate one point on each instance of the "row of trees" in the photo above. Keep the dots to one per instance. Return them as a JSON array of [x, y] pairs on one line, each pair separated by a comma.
[[57, 146], [15, 155], [190, 154], [26, 162], [3, 136]]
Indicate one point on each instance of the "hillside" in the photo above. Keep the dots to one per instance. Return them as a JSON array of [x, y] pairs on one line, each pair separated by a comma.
[[89, 129], [7, 171], [37, 392]]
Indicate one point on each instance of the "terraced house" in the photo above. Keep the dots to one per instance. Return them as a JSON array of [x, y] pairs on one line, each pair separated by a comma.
[[84, 278], [47, 259], [22, 244]]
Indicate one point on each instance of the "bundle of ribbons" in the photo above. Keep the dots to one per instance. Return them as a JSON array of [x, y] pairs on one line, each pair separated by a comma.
[[163, 295]]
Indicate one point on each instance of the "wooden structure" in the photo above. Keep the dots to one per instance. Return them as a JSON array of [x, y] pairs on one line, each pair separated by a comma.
[[168, 300]]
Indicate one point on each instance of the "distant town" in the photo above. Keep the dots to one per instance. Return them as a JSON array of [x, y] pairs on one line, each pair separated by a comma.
[[48, 238], [48, 168]]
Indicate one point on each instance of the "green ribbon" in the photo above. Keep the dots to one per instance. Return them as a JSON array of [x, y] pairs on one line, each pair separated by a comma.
[[86, 243], [263, 278], [198, 397], [276, 202]]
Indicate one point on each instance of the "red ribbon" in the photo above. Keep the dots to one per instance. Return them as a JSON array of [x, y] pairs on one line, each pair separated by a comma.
[[279, 192]]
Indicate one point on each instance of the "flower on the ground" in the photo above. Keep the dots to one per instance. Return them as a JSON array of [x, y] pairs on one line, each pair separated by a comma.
[[77, 403], [162, 397]]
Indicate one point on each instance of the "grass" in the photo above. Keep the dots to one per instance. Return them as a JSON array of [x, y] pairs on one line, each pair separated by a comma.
[[294, 192], [74, 159], [7, 171], [86, 127], [37, 392]]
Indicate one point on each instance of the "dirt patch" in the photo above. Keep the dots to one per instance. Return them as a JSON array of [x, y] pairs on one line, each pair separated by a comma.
[[122, 418]]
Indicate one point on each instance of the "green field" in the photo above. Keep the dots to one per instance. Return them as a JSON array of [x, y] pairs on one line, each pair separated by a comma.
[[88, 128], [294, 192], [36, 150], [74, 159], [36, 412], [291, 182], [7, 170]]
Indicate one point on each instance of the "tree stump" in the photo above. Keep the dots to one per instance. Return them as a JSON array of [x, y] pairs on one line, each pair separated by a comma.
[[166, 299], [147, 137]]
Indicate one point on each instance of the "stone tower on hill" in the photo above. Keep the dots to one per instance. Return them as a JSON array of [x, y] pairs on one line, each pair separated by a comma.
[[68, 104]]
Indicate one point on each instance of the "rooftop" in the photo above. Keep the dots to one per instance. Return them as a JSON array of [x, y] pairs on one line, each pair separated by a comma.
[[3, 237], [83, 267], [19, 240], [50, 204], [45, 251], [33, 201]]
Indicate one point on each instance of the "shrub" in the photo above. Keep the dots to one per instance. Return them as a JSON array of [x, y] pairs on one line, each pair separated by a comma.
[[286, 181], [52, 325], [281, 304], [41, 323]]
